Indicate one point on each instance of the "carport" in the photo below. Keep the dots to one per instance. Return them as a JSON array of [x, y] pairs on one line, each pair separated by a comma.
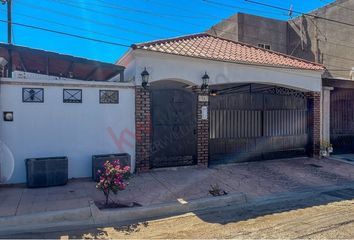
[[252, 122]]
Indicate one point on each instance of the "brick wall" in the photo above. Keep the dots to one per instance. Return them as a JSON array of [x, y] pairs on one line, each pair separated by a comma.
[[202, 131], [143, 128], [315, 122]]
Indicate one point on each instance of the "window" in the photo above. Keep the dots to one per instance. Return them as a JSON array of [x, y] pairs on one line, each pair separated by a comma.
[[109, 96], [34, 95], [72, 96], [265, 46]]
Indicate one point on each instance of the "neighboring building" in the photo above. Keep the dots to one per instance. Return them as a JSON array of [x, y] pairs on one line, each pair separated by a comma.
[[59, 105], [306, 37], [262, 104], [317, 40], [255, 30]]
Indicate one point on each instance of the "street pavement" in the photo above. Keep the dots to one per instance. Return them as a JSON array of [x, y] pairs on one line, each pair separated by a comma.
[[254, 179], [322, 216]]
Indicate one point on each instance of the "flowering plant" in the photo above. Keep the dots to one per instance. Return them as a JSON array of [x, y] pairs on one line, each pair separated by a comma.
[[112, 178]]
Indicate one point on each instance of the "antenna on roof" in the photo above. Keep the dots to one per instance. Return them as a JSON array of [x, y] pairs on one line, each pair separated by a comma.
[[290, 12]]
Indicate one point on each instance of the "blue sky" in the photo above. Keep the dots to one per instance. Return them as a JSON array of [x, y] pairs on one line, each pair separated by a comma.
[[126, 21]]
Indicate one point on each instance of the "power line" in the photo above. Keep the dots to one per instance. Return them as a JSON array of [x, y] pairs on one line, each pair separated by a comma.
[[284, 45], [180, 8], [219, 4], [101, 23], [113, 26], [184, 33], [69, 26], [118, 16], [36, 7], [124, 45], [67, 34], [41, 19], [214, 28], [306, 14], [125, 8], [172, 17]]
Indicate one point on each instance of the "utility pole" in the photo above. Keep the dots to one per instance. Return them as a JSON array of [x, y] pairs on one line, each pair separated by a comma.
[[9, 21], [9, 34]]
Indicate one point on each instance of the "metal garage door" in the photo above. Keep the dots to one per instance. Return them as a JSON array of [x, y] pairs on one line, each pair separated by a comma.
[[258, 125], [342, 120]]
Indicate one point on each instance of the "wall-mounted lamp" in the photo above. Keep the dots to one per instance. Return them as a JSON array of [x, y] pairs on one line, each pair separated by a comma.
[[205, 79], [213, 92], [145, 78]]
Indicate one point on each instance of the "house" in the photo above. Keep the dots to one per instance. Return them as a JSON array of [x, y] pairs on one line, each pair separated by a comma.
[[210, 100], [60, 105], [322, 36], [190, 100]]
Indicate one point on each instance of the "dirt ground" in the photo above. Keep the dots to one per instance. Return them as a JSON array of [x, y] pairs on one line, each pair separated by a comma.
[[321, 217]]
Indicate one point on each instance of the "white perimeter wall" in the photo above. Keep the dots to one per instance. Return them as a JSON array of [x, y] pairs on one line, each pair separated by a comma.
[[75, 130]]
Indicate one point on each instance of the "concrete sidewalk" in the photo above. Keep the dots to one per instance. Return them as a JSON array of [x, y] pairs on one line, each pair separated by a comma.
[[255, 180]]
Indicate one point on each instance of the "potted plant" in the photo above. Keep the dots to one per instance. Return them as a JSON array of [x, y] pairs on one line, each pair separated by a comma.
[[326, 149], [330, 149]]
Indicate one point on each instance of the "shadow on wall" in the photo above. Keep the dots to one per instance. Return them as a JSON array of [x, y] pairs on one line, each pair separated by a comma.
[[300, 46]]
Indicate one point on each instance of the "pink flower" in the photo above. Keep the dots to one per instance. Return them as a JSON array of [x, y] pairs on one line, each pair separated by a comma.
[[112, 178]]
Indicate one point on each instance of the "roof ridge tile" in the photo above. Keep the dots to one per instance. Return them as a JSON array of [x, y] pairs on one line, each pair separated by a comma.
[[204, 45]]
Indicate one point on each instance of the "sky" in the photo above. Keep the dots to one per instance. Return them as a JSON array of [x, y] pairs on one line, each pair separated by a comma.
[[126, 21]]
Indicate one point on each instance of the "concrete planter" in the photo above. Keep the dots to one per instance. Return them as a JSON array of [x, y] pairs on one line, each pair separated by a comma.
[[99, 160]]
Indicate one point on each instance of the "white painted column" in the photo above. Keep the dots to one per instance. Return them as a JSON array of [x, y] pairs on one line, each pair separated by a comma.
[[326, 108]]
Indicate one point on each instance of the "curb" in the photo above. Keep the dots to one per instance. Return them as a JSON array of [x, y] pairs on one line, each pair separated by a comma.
[[92, 216], [23, 223]]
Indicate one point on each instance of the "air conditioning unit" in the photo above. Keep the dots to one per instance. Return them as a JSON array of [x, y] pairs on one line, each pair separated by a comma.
[[99, 160], [45, 172]]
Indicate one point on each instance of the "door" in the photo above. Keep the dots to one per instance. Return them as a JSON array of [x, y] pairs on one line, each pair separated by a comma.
[[342, 120], [174, 128], [250, 126]]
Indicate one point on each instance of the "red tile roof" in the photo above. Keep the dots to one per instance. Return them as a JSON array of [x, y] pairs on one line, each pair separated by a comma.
[[215, 48]]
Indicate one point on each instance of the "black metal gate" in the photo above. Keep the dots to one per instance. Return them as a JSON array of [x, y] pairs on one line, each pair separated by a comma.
[[342, 120], [174, 123], [258, 125]]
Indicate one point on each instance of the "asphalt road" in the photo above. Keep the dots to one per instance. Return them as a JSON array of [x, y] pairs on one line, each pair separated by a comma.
[[322, 216]]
